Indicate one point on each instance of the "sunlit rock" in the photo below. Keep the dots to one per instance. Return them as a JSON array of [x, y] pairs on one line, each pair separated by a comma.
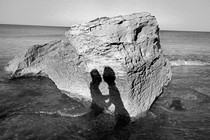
[[115, 62]]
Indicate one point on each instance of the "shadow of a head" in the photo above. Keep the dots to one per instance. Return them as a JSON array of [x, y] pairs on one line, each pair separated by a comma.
[[96, 77], [109, 76]]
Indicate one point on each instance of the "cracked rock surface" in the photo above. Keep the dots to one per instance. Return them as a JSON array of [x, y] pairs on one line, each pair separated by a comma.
[[122, 53]]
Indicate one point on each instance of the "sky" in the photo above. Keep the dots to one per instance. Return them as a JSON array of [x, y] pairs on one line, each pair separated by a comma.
[[187, 15]]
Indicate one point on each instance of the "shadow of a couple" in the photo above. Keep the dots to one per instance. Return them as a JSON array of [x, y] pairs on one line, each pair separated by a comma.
[[99, 103]]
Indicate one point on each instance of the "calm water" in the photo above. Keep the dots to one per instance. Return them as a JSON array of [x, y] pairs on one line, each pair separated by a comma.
[[34, 108]]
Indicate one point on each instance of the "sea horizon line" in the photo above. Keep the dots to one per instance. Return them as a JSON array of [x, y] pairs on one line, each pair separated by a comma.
[[60, 26]]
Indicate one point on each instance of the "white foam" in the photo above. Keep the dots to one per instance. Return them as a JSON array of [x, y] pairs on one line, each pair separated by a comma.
[[71, 115], [61, 113], [188, 63]]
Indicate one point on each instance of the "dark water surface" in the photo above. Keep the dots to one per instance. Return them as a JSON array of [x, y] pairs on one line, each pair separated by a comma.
[[33, 108], [183, 110]]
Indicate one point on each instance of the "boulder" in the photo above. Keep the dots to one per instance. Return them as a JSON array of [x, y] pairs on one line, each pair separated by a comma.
[[116, 63]]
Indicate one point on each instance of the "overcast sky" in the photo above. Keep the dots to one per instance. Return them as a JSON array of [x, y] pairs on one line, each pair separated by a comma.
[[171, 14]]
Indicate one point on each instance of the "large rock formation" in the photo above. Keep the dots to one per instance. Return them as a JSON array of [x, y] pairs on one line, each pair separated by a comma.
[[116, 63]]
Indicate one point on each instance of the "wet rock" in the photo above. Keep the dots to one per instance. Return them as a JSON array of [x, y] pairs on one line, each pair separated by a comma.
[[176, 104], [124, 49], [182, 98]]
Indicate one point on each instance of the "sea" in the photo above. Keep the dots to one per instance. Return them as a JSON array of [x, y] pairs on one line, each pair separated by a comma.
[[35, 109]]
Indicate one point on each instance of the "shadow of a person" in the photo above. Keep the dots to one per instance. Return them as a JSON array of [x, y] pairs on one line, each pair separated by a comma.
[[122, 116], [98, 100]]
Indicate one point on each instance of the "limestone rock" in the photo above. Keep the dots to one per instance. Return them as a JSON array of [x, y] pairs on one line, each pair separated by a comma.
[[115, 62]]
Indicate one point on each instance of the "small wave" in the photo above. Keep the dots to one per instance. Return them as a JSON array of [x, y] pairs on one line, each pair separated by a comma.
[[71, 115], [61, 113], [47, 112], [188, 63]]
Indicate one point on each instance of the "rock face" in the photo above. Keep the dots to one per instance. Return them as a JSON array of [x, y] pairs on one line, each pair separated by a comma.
[[116, 63]]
